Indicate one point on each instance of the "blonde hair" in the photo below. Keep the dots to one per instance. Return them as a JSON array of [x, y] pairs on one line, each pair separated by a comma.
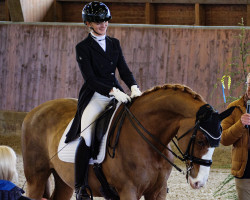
[[8, 169], [248, 76]]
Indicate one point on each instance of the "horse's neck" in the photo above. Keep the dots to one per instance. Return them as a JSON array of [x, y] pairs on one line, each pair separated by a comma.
[[161, 114]]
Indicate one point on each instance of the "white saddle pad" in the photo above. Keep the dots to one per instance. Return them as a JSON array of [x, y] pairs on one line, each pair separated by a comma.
[[66, 151]]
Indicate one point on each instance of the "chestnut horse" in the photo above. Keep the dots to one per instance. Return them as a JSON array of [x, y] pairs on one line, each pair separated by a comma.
[[139, 167]]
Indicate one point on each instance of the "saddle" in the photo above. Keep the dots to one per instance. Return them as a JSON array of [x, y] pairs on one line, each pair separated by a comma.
[[101, 126]]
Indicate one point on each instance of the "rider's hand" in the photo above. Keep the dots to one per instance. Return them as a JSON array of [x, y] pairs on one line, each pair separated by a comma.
[[119, 95], [135, 91]]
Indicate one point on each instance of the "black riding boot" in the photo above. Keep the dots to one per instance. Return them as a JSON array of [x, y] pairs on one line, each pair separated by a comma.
[[82, 157]]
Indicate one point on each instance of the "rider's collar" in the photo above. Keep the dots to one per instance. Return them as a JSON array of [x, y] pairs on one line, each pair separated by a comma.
[[97, 38]]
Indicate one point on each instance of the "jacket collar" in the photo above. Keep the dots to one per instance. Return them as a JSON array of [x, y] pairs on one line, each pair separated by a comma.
[[97, 47]]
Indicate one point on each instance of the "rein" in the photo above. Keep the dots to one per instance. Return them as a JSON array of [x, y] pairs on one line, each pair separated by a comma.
[[135, 123], [131, 118]]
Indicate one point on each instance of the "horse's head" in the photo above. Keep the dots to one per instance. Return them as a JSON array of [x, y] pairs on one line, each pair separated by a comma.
[[199, 142]]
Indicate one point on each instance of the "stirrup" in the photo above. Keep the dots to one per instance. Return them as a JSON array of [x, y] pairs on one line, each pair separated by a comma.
[[82, 194]]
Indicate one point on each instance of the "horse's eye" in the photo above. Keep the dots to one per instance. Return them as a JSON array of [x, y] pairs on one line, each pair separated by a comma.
[[201, 143]]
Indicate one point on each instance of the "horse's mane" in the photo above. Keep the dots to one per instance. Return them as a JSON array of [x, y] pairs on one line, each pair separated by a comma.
[[182, 88]]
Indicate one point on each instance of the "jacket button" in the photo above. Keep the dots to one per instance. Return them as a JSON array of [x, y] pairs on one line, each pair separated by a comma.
[[111, 63], [112, 74]]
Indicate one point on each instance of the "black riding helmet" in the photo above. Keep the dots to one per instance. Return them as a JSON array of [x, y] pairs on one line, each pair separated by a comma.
[[95, 12]]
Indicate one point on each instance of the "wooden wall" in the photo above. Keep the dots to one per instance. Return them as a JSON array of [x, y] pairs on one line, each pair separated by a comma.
[[164, 12], [37, 61]]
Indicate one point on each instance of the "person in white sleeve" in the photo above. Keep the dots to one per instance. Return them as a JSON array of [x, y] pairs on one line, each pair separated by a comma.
[[98, 57]]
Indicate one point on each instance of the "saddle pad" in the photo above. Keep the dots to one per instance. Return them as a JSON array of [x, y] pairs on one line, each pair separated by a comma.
[[66, 151]]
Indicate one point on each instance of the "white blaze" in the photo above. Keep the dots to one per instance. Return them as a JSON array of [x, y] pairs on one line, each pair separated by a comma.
[[203, 174]]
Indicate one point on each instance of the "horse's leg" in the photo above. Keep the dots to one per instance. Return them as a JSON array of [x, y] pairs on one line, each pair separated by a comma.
[[36, 185], [62, 190], [157, 195], [128, 195], [159, 191], [128, 192]]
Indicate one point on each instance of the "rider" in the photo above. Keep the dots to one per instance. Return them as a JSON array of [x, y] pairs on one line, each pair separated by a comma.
[[98, 57]]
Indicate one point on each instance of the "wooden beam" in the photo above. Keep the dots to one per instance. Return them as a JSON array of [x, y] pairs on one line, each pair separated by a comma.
[[149, 13], [169, 1], [15, 10], [199, 15]]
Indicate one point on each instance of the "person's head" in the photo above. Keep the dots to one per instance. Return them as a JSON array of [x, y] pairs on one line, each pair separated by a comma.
[[96, 16], [248, 86], [8, 169]]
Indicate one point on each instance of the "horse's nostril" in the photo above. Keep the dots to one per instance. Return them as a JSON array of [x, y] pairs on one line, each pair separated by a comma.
[[197, 184]]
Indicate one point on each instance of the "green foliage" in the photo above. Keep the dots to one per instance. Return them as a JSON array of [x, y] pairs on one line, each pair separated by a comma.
[[226, 189], [237, 69]]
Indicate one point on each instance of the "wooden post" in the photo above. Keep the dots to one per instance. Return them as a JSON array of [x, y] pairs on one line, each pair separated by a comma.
[[15, 10], [7, 14], [199, 15], [248, 15], [57, 11], [149, 13]]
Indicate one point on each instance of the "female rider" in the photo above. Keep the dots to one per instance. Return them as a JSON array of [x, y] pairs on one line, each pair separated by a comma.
[[98, 57]]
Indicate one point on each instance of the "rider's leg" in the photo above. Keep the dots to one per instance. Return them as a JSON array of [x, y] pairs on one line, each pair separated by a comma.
[[82, 156]]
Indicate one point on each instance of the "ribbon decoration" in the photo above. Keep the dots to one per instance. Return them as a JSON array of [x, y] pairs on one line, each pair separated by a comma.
[[224, 97], [223, 85], [228, 83]]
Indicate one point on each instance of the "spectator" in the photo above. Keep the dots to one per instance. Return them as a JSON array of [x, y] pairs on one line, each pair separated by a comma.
[[235, 133], [8, 173]]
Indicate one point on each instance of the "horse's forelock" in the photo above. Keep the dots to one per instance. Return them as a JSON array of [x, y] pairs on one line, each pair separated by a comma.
[[180, 87]]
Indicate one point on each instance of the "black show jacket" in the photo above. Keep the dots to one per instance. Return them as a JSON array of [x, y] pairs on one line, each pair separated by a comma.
[[98, 70]]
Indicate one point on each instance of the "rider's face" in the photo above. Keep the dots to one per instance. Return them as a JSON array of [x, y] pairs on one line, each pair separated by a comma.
[[99, 28]]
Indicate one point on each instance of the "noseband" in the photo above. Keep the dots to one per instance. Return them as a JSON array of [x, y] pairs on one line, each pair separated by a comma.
[[186, 157]]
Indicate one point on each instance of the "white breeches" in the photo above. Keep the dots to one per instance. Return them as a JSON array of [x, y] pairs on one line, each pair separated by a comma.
[[96, 105]]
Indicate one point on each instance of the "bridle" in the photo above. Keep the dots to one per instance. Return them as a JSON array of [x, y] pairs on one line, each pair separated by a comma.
[[186, 157]]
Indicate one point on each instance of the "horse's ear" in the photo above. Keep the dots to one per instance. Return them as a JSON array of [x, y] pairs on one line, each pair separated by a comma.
[[226, 113]]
